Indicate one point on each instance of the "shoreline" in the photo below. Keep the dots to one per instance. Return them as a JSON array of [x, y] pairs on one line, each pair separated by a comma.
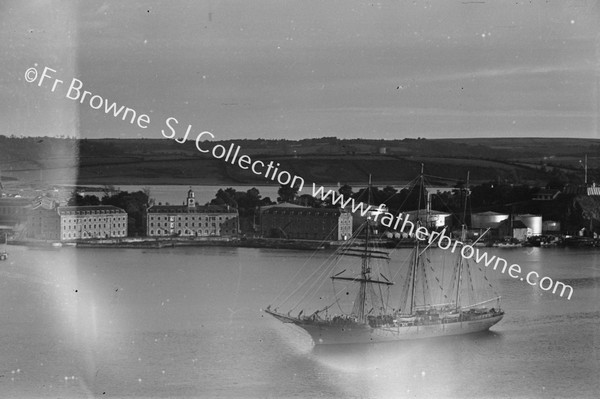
[[181, 242]]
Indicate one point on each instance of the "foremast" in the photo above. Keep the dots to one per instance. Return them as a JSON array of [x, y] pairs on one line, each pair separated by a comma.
[[365, 280], [417, 250]]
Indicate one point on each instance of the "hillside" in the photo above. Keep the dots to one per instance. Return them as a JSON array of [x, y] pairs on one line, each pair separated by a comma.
[[31, 161]]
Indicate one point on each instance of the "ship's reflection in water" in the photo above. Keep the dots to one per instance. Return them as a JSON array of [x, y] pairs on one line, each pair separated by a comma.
[[438, 367]]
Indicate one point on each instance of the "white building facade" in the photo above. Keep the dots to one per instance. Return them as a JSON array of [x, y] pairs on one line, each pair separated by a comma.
[[191, 220]]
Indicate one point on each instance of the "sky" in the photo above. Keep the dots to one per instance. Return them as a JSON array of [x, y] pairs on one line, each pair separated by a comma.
[[304, 69]]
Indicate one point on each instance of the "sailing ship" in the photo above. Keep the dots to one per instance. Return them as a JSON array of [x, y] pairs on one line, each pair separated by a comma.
[[432, 302]]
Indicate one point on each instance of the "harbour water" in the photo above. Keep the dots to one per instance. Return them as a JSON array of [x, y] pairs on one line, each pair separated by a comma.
[[187, 322]]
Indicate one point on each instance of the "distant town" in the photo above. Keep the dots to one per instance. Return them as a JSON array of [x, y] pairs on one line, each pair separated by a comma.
[[528, 198], [509, 216]]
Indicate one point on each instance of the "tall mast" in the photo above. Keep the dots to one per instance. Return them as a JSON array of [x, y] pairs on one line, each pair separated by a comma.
[[416, 256], [463, 237], [365, 270], [464, 218]]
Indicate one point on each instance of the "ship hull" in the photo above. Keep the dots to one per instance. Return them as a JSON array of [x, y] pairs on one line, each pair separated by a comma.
[[331, 334]]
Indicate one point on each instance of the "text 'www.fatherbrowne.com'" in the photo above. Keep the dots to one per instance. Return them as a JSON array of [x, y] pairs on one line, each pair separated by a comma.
[[402, 224]]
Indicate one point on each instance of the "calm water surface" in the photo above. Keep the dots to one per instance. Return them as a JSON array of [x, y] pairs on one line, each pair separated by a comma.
[[186, 322]]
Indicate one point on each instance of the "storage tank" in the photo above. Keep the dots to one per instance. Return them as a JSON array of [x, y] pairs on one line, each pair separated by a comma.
[[486, 220], [533, 222]]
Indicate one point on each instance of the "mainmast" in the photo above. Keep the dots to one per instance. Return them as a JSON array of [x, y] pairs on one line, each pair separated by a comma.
[[417, 250], [365, 269], [463, 236], [365, 277]]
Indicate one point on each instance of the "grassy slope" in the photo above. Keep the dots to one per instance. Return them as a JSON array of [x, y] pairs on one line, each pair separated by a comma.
[[327, 160]]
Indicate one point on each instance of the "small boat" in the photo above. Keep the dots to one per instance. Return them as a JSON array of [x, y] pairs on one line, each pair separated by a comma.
[[3, 255]]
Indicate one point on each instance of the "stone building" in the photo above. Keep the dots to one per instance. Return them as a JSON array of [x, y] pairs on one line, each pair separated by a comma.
[[191, 220], [14, 210], [300, 222], [66, 223]]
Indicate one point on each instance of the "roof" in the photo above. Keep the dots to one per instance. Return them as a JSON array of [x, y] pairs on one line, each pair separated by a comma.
[[575, 190], [283, 205], [424, 212], [194, 209], [489, 213], [93, 209]]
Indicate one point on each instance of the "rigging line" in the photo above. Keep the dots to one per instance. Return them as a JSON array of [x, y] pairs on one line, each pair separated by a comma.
[[473, 288], [476, 294], [403, 304], [454, 285], [383, 305], [431, 243], [410, 189], [443, 272], [425, 283], [402, 264], [481, 236], [330, 234], [287, 286], [311, 288], [337, 300], [440, 178], [303, 283], [336, 293], [330, 259], [320, 279], [324, 265], [387, 298]]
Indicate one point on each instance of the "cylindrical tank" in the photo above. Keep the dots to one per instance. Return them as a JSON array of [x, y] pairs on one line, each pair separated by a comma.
[[486, 220], [533, 222]]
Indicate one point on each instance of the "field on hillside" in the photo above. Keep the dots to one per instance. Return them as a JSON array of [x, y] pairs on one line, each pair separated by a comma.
[[47, 161]]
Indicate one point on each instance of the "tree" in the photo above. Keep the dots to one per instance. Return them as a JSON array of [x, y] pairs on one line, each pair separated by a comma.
[[346, 191], [226, 197], [79, 200], [135, 204], [287, 193]]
